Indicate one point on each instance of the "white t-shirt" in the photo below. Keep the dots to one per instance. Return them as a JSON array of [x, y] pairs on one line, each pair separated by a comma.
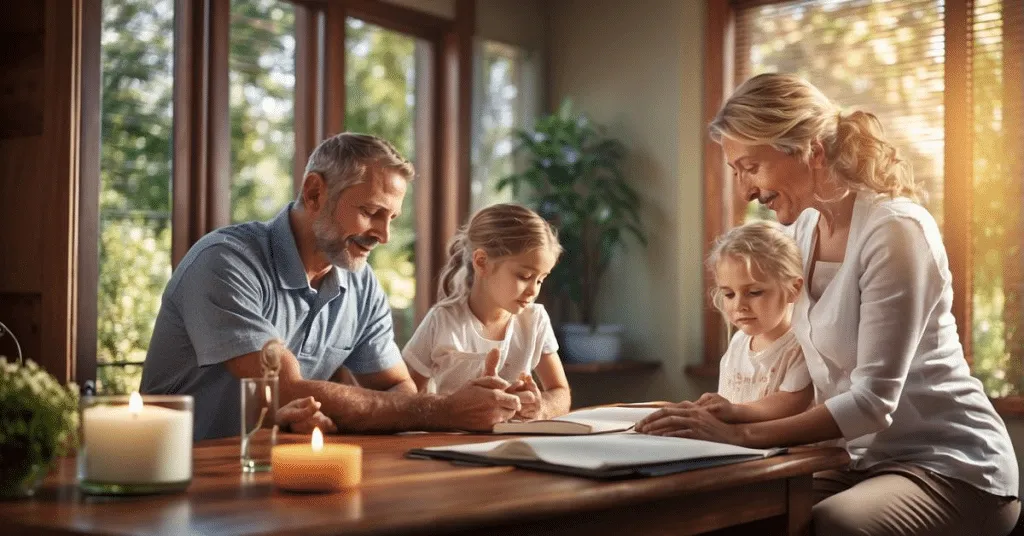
[[882, 349], [449, 348], [748, 376]]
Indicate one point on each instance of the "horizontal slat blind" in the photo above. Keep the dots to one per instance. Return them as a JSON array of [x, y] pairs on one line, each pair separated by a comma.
[[997, 342]]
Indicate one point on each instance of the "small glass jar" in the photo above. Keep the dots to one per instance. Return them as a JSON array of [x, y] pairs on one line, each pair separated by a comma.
[[135, 444]]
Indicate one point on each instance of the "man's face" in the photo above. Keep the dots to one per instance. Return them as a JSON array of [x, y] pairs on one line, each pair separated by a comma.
[[346, 230]]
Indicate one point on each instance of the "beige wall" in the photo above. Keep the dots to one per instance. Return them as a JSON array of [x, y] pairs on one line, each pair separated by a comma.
[[515, 22], [636, 67]]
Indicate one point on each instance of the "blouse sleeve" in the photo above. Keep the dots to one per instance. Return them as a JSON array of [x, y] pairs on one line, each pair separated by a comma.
[[900, 285]]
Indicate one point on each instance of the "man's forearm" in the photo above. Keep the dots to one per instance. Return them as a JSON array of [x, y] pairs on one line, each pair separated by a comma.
[[554, 402], [355, 409]]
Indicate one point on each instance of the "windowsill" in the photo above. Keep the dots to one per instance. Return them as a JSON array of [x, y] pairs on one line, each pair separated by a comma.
[[611, 366], [1009, 406], [708, 371]]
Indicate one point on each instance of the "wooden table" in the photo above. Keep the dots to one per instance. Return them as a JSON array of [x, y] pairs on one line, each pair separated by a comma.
[[403, 496]]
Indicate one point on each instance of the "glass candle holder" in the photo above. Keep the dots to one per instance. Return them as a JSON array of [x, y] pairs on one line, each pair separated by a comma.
[[135, 444]]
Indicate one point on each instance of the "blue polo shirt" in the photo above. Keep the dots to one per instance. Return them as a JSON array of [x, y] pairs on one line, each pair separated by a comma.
[[239, 287]]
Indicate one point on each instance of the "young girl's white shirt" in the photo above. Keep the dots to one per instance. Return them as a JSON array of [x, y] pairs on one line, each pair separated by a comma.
[[881, 346], [448, 346], [746, 376]]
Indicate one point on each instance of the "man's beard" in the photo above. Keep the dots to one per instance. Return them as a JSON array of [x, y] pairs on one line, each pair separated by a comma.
[[335, 248]]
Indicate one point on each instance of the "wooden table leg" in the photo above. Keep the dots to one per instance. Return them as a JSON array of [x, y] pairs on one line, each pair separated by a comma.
[[799, 499]]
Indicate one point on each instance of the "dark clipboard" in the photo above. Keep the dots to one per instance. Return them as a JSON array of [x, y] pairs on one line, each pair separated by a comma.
[[614, 473]]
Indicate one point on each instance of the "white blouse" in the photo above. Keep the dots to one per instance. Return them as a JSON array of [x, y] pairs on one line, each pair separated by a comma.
[[882, 350]]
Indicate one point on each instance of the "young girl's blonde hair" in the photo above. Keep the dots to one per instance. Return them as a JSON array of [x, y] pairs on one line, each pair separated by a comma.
[[499, 230], [763, 245], [789, 114]]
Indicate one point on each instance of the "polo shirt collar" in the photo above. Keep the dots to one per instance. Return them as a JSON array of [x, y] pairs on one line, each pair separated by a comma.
[[291, 273]]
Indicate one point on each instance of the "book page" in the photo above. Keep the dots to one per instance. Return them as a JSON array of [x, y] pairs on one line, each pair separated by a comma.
[[617, 450], [596, 420], [613, 414], [604, 451]]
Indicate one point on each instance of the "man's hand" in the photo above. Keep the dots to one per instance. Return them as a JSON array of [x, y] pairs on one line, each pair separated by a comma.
[[302, 415], [529, 396], [480, 404]]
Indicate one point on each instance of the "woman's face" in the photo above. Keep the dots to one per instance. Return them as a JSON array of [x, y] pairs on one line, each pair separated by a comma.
[[777, 180]]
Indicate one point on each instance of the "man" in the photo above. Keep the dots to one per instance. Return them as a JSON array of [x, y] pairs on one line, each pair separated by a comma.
[[302, 278]]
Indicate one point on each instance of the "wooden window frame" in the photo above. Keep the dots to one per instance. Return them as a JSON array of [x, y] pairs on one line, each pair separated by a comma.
[[720, 215], [201, 172]]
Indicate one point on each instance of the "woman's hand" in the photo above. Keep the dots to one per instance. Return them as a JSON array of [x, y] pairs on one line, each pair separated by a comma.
[[719, 406], [687, 419]]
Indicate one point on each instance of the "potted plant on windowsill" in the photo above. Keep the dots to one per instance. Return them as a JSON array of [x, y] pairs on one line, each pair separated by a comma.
[[573, 178]]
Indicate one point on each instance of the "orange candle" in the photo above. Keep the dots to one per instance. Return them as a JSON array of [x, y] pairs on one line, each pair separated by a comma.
[[317, 467]]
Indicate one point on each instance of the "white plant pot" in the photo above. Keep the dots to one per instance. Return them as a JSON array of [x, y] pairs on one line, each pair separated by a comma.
[[581, 345]]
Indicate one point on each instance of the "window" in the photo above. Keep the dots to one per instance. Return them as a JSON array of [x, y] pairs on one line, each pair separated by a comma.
[[262, 96], [504, 102], [898, 60], [135, 179], [380, 79], [242, 90]]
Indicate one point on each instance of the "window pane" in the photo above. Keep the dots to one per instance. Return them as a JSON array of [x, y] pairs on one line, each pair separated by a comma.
[[998, 333], [502, 102], [262, 78], [380, 89], [885, 57], [135, 188]]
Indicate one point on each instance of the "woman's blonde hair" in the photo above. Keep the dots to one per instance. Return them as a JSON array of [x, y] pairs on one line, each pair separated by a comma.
[[499, 230], [789, 114], [763, 245]]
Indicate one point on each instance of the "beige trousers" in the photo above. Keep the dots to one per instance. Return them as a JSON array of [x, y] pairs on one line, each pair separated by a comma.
[[901, 499]]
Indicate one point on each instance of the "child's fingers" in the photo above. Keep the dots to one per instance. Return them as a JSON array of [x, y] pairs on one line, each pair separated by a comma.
[[491, 382], [491, 363], [520, 385]]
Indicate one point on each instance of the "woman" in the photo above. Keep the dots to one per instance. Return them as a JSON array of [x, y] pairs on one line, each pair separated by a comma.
[[929, 455]]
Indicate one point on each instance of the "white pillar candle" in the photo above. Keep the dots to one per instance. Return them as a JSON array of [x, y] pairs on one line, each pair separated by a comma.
[[136, 444]]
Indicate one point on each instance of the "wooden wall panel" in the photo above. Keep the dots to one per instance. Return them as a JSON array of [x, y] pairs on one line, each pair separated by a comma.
[[39, 181], [21, 214], [21, 313], [21, 71]]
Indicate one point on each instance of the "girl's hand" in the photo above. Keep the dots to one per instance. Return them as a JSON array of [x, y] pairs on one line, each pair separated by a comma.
[[719, 406], [690, 421], [529, 395]]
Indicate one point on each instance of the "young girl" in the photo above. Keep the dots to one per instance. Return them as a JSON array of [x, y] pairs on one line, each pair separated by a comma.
[[758, 277], [485, 322]]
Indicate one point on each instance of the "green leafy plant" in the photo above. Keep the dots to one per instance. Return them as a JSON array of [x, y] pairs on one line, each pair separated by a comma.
[[38, 423], [573, 178]]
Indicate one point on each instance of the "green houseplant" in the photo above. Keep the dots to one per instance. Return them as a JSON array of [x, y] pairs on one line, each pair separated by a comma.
[[573, 178], [38, 424]]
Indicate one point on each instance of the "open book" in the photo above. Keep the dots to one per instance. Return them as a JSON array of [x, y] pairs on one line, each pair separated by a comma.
[[584, 421], [599, 456]]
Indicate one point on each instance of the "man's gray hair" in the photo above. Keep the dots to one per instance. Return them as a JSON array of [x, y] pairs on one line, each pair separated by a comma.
[[344, 159]]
